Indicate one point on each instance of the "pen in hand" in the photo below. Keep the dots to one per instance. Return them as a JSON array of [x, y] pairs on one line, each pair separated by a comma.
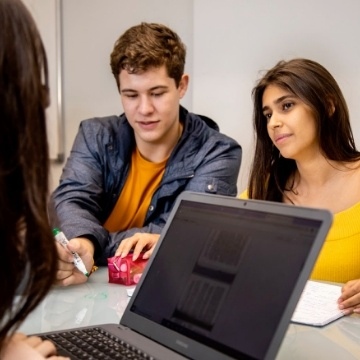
[[61, 239]]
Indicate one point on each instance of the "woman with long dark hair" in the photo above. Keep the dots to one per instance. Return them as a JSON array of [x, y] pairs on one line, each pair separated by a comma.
[[305, 155], [27, 248]]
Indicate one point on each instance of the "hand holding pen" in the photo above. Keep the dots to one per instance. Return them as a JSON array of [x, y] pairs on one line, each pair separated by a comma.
[[61, 239], [71, 255]]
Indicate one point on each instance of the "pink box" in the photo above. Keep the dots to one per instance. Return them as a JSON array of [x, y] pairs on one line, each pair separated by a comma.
[[125, 271]]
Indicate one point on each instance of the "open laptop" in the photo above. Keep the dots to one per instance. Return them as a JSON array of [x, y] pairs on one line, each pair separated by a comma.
[[222, 283]]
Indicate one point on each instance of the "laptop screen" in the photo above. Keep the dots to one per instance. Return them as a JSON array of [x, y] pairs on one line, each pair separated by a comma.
[[222, 275]]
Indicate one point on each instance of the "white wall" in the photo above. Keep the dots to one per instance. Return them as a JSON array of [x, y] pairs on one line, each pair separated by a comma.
[[235, 39], [45, 13], [229, 42]]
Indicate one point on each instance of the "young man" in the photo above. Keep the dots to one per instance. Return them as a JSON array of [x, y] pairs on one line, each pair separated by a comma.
[[125, 172]]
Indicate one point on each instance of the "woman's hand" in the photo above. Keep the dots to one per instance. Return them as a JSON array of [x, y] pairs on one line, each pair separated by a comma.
[[20, 346], [349, 300]]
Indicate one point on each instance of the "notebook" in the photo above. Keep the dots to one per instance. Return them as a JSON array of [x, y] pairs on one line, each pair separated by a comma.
[[321, 297], [222, 283]]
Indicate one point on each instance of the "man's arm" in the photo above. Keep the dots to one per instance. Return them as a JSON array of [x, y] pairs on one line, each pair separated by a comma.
[[217, 167], [80, 204]]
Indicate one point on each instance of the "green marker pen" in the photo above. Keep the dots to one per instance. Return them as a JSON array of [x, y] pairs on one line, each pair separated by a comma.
[[61, 239]]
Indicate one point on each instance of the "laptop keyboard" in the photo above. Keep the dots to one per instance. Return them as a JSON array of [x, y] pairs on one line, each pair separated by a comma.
[[94, 344]]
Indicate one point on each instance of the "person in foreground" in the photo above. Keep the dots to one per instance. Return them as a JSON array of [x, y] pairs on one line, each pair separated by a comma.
[[28, 253], [125, 172], [306, 155]]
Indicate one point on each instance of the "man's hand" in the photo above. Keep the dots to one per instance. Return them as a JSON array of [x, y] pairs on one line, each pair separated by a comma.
[[67, 273], [138, 243], [350, 297], [20, 346]]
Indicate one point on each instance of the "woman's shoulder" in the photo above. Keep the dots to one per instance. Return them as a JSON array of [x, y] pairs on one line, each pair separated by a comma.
[[346, 224], [351, 212]]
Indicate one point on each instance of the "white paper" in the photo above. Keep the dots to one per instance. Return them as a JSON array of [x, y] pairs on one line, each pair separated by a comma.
[[318, 305]]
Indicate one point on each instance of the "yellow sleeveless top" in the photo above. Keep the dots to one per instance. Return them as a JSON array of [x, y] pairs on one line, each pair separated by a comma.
[[134, 200], [339, 258]]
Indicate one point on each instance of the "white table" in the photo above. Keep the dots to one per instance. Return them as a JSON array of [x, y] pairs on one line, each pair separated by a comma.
[[98, 302]]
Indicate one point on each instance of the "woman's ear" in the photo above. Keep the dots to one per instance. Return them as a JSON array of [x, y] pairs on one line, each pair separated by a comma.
[[330, 106]]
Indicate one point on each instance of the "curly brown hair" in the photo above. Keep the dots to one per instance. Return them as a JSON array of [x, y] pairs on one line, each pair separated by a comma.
[[148, 45]]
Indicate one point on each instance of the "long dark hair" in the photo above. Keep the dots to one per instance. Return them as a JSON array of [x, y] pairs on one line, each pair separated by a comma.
[[316, 87], [26, 244]]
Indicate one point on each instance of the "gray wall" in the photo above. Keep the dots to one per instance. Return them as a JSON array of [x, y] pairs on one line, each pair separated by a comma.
[[229, 42]]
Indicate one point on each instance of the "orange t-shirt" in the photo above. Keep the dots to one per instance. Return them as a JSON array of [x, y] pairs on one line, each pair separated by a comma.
[[134, 200]]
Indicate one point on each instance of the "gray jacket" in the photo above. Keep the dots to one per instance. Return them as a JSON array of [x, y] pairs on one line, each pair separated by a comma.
[[204, 160]]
